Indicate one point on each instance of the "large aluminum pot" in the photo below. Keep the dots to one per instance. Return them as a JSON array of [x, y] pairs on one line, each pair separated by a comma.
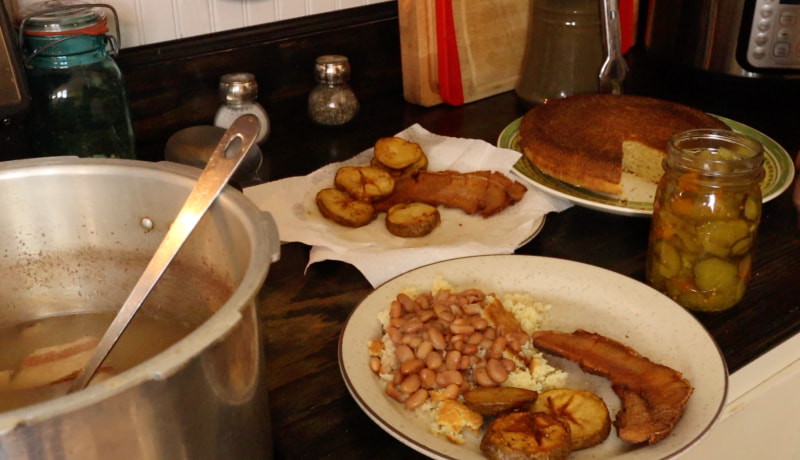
[[75, 235]]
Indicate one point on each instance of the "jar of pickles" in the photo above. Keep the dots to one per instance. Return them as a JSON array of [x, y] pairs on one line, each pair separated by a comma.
[[705, 218]]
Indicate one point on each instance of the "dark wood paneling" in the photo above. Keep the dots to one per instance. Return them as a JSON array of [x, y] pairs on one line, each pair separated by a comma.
[[174, 85]]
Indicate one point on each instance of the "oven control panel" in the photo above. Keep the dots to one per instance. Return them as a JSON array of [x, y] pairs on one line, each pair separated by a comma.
[[774, 40]]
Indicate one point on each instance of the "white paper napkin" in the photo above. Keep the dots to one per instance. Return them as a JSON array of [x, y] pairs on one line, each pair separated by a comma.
[[378, 254]]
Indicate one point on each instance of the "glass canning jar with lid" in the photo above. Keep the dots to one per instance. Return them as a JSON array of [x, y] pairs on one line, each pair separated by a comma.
[[79, 104], [706, 215]]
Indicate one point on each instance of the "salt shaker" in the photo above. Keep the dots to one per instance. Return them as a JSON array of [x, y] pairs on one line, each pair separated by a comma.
[[239, 92], [332, 102]]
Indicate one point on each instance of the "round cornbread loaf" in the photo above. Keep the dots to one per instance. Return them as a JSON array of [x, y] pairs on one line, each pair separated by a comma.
[[588, 140]]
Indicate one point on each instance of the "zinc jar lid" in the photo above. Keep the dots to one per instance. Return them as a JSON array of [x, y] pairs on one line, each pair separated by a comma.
[[63, 17]]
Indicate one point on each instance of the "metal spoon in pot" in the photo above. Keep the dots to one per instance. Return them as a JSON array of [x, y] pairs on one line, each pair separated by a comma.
[[227, 156]]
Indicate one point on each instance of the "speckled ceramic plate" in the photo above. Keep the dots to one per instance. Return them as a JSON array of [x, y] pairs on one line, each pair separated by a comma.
[[582, 296], [777, 165]]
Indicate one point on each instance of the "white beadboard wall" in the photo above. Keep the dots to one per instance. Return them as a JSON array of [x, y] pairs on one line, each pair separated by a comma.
[[143, 22]]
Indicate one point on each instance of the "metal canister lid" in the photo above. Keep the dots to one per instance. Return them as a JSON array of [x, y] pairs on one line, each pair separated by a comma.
[[63, 17], [238, 87], [332, 69]]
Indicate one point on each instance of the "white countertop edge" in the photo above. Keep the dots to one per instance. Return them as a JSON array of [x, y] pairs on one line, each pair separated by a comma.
[[767, 371]]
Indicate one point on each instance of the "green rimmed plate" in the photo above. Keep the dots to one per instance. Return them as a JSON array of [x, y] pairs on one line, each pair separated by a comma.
[[777, 166]]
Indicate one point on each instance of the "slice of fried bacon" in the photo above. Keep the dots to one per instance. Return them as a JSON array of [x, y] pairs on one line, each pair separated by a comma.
[[652, 395], [479, 192]]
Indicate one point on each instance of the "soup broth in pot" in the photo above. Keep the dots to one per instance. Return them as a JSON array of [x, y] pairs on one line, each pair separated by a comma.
[[40, 358]]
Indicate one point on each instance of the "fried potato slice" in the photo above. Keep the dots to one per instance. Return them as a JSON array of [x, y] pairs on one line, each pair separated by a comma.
[[343, 209], [585, 412], [397, 153], [412, 220], [491, 401], [526, 436], [417, 166], [365, 183]]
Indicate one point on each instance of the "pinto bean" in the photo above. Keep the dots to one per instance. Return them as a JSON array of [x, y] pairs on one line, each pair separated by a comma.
[[475, 338], [496, 371], [423, 301], [469, 349], [396, 310], [375, 364], [451, 391], [403, 353], [457, 342], [444, 313], [510, 365], [410, 384], [471, 308], [412, 366], [434, 360], [394, 334], [412, 341], [424, 347], [412, 326], [437, 339], [449, 376], [481, 376], [462, 329], [427, 378], [474, 294], [397, 377], [426, 315], [452, 359], [479, 323], [408, 304], [496, 350], [394, 393], [417, 399]]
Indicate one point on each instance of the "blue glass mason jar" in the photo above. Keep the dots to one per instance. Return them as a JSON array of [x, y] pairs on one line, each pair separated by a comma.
[[79, 104]]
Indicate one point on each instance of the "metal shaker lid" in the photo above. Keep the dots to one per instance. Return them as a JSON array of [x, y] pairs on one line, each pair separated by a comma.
[[332, 69], [238, 87], [63, 17]]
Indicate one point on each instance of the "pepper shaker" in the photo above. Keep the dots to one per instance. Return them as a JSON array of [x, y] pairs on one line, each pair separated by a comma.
[[239, 92], [332, 102]]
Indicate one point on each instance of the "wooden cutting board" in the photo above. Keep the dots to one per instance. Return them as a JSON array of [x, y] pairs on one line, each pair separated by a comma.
[[489, 36]]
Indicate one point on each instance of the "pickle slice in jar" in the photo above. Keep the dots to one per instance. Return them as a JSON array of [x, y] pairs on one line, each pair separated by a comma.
[[715, 274], [742, 246], [751, 208], [667, 260], [718, 237]]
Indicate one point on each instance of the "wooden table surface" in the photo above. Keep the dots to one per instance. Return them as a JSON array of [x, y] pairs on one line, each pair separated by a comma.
[[302, 313]]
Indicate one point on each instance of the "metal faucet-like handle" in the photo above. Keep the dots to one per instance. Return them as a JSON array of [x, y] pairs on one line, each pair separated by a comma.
[[614, 68]]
